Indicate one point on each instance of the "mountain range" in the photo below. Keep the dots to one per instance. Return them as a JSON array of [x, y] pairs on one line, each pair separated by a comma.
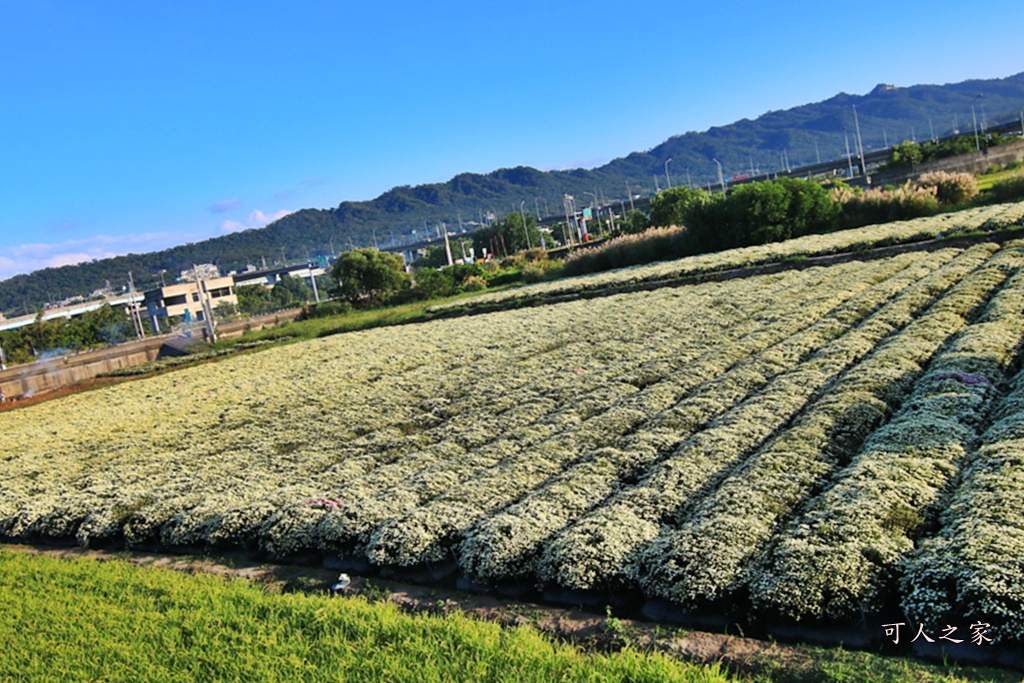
[[802, 135]]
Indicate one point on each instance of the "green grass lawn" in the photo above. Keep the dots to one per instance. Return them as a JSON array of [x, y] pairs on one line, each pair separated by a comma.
[[84, 620], [90, 621]]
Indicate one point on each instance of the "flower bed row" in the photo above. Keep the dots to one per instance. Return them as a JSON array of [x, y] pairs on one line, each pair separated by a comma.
[[506, 545], [605, 545], [973, 567], [709, 555]]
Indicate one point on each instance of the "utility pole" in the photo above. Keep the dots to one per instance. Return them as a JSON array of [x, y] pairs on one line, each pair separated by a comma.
[[525, 230], [567, 232], [721, 179], [860, 143], [849, 159], [668, 180], [447, 245], [133, 309], [974, 117], [204, 302]]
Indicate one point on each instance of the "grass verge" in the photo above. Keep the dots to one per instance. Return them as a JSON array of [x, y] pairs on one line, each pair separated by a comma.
[[84, 619]]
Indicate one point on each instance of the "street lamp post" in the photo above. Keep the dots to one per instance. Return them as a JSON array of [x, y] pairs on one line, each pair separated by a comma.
[[849, 159], [974, 118], [596, 217], [525, 231], [721, 179], [668, 180], [860, 143]]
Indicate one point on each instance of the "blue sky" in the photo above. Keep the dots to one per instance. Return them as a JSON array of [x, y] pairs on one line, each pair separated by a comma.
[[134, 126]]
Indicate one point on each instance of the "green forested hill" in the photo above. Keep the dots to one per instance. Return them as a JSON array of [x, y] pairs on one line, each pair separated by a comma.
[[800, 135]]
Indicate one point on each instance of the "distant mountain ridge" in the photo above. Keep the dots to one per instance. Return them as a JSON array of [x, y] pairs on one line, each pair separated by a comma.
[[800, 135]]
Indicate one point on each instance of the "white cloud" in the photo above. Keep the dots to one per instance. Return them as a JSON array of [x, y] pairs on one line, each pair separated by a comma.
[[225, 205], [25, 258], [232, 226], [58, 260], [257, 219]]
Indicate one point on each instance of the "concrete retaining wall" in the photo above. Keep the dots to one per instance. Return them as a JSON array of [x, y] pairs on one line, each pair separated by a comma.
[[58, 371]]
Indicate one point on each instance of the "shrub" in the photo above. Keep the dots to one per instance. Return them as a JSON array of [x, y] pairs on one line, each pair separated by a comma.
[[884, 205], [326, 309], [432, 283], [1009, 189], [950, 188], [654, 244], [474, 283]]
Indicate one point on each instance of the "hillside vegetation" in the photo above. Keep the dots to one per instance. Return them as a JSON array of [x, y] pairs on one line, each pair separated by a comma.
[[803, 134]]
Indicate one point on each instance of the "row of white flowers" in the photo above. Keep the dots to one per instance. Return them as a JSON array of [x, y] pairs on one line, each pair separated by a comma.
[[973, 568], [840, 557], [605, 544], [527, 459], [505, 545], [215, 454], [581, 401], [707, 558], [915, 230]]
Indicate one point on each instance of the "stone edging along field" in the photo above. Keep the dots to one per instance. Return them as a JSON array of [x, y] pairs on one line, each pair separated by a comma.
[[786, 451]]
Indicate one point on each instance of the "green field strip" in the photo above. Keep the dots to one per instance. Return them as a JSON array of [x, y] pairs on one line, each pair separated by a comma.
[[898, 232]]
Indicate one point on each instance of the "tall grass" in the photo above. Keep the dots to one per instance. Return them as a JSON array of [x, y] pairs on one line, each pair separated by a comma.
[[86, 621], [654, 244]]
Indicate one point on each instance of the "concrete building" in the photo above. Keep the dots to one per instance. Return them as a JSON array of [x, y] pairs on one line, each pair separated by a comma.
[[183, 300]]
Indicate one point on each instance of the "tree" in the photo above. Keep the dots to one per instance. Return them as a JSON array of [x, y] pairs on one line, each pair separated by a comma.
[[906, 153], [437, 255], [290, 291], [669, 207], [367, 277], [507, 236], [252, 299], [633, 223]]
